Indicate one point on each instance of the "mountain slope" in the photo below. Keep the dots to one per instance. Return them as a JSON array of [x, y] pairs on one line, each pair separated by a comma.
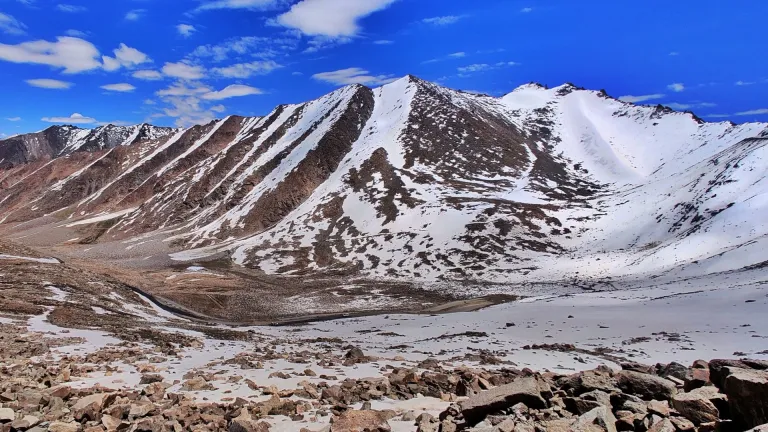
[[415, 181]]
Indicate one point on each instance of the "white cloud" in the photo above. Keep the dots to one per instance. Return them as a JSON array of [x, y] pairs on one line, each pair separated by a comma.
[[13, 119], [643, 98], [74, 55], [49, 84], [135, 15], [718, 115], [753, 112], [71, 8], [526, 10], [218, 108], [482, 67], [383, 42], [246, 70], [252, 46], [75, 118], [674, 53], [121, 87], [10, 25], [148, 75], [234, 90], [185, 30], [442, 20], [744, 83], [688, 106], [125, 56], [297, 73], [149, 102], [239, 4], [353, 76], [182, 89], [676, 87], [183, 71], [331, 18], [76, 33], [455, 55]]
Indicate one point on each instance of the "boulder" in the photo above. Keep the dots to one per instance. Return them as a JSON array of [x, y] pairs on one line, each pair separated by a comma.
[[675, 370], [646, 386], [246, 423], [718, 369], [588, 381], [696, 378], [664, 425], [747, 392], [526, 390], [359, 421], [598, 420], [90, 407], [196, 384], [696, 407], [63, 427], [7, 415]]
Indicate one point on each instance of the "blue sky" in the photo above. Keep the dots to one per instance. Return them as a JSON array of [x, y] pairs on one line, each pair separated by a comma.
[[179, 62]]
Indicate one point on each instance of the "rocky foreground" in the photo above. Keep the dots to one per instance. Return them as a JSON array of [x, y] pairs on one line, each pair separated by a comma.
[[37, 394]]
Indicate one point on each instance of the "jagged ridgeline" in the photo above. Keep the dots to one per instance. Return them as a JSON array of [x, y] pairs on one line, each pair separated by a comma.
[[416, 181]]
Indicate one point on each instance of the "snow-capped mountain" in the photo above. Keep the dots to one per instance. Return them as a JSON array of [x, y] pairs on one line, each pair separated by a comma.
[[59, 141], [416, 181]]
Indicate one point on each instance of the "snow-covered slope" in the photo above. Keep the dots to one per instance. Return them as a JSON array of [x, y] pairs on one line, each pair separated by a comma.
[[415, 181]]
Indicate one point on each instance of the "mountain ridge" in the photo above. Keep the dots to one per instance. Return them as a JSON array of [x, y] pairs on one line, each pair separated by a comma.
[[415, 181]]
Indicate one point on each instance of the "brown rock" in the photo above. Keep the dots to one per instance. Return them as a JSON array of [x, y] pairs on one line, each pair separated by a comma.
[[359, 421], [682, 424], [246, 423], [63, 427], [697, 378], [89, 407], [110, 423], [663, 426], [646, 386], [526, 390], [196, 384], [600, 419], [7, 415], [588, 381], [747, 392], [659, 408], [696, 407]]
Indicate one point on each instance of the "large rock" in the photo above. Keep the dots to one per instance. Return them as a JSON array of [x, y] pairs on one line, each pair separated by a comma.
[[526, 390], [718, 369], [7, 415], [747, 392], [696, 407], [588, 381], [598, 420], [360, 421], [89, 407], [246, 423], [63, 427], [646, 386]]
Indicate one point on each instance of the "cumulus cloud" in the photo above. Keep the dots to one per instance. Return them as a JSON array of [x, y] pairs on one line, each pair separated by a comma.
[[135, 15], [71, 8], [125, 56], [49, 83], [252, 46], [353, 76], [643, 98], [121, 87], [147, 75], [75, 118], [234, 90], [184, 104], [185, 30], [184, 71], [74, 55], [10, 25], [526, 10], [442, 20], [676, 87], [246, 70], [331, 18]]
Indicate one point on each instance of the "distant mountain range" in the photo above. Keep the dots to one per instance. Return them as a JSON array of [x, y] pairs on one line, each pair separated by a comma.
[[415, 181]]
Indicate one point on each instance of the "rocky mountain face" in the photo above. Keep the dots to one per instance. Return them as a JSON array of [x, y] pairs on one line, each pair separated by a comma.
[[57, 141], [416, 181]]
